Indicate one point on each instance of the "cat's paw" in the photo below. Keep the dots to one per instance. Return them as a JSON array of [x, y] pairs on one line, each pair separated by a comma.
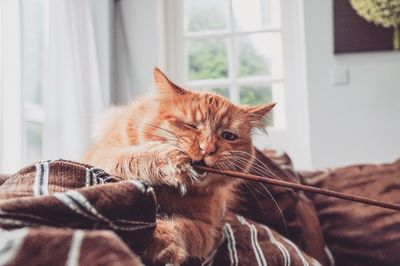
[[166, 247], [177, 170], [172, 254]]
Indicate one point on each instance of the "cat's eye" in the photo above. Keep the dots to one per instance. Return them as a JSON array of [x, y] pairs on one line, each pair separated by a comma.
[[191, 126], [228, 136]]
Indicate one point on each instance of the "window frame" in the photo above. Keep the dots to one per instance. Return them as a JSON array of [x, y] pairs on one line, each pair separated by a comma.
[[233, 82], [177, 63], [292, 136]]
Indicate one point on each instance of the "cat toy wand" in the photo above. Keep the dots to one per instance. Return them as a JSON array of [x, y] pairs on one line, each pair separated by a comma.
[[282, 183]]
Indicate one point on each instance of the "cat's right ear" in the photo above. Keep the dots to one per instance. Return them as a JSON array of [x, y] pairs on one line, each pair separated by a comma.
[[163, 84]]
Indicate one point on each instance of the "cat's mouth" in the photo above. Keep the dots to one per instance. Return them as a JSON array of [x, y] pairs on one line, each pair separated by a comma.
[[201, 174]]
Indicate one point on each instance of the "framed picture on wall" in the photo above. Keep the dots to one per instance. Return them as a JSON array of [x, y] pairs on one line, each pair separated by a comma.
[[366, 25]]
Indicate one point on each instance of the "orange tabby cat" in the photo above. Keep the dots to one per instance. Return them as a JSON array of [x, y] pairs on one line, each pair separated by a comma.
[[158, 139]]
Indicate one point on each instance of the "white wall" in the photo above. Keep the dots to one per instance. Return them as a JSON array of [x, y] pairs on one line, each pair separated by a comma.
[[354, 123]]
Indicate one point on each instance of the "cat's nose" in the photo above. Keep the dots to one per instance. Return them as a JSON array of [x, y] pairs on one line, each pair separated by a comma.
[[207, 149]]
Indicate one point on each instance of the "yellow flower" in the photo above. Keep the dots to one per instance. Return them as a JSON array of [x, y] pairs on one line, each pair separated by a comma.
[[385, 13]]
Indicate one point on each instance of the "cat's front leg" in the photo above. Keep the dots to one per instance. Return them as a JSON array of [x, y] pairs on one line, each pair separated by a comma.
[[167, 246], [177, 239]]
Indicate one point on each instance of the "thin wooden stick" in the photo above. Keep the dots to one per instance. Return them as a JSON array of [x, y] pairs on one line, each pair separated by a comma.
[[282, 183]]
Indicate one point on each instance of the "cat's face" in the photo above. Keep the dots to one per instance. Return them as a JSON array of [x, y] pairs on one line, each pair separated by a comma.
[[209, 128]]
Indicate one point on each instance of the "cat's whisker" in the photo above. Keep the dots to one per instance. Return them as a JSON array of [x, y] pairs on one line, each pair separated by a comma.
[[163, 137], [252, 156], [254, 166], [249, 188], [260, 171], [259, 161], [254, 195], [227, 160], [174, 139], [168, 131], [257, 168], [246, 185], [220, 168], [273, 199], [230, 163], [276, 203], [163, 129]]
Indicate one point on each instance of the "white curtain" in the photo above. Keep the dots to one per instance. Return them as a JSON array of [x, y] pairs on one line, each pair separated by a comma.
[[75, 87], [123, 83]]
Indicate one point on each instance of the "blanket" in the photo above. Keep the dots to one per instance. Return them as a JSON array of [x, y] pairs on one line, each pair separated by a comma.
[[360, 234], [62, 212]]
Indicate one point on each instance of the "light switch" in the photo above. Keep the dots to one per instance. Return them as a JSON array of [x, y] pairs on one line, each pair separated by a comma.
[[340, 76]]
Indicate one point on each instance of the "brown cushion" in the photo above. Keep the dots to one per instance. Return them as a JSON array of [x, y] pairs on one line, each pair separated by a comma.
[[288, 212], [360, 234]]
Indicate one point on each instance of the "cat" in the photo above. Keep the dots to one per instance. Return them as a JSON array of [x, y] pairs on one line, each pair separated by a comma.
[[160, 138]]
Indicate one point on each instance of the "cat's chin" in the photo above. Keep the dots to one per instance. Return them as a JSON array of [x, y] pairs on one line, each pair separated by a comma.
[[200, 175], [209, 181], [212, 181]]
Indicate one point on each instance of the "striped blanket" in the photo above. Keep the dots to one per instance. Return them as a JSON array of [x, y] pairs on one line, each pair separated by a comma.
[[67, 213]]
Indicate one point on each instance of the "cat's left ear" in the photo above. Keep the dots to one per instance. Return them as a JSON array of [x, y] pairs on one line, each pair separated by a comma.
[[163, 83], [259, 111]]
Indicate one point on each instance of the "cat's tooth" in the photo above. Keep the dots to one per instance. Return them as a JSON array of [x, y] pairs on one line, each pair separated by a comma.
[[203, 175]]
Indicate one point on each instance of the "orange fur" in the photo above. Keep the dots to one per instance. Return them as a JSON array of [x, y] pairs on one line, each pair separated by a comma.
[[157, 138]]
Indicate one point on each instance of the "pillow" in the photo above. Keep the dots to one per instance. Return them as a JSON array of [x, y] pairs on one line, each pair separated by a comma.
[[287, 211], [360, 234]]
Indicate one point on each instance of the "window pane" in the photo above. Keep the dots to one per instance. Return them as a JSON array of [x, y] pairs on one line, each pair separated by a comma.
[[256, 14], [33, 142], [221, 91], [208, 59], [32, 50], [203, 15], [253, 95], [260, 54]]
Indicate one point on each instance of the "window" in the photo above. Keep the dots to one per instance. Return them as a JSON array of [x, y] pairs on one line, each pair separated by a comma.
[[251, 51], [234, 48], [33, 33]]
